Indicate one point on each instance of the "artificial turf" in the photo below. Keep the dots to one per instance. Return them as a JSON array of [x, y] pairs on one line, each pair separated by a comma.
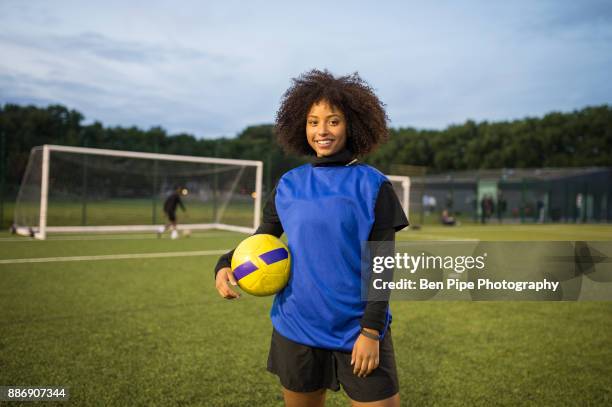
[[155, 332]]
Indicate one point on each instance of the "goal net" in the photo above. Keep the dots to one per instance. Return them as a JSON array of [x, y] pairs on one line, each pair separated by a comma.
[[401, 185], [76, 189]]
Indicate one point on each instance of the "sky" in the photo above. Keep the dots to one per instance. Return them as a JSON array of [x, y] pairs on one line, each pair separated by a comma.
[[212, 68]]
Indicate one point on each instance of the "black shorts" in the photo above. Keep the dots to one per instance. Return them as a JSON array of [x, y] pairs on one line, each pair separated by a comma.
[[171, 216], [303, 369]]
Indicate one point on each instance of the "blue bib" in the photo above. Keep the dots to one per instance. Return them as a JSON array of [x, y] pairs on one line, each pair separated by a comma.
[[326, 213]]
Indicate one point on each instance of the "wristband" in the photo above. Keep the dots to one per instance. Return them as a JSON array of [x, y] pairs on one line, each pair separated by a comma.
[[370, 335]]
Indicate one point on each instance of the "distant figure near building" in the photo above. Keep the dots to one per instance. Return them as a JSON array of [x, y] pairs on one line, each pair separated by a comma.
[[579, 205], [170, 205], [487, 206], [447, 219], [501, 207], [541, 211]]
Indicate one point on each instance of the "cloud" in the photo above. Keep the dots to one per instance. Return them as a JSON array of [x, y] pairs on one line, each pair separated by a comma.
[[104, 47], [215, 68], [589, 13], [111, 110]]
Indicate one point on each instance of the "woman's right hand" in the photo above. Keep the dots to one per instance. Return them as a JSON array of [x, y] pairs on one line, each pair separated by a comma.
[[225, 277]]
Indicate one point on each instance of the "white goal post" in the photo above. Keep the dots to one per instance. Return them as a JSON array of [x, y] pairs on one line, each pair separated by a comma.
[[79, 189], [401, 185]]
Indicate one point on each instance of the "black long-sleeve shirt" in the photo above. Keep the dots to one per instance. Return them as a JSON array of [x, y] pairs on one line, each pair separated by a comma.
[[389, 218], [172, 202]]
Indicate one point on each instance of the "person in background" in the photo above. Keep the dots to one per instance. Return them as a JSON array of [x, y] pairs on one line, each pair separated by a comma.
[[447, 219], [170, 204]]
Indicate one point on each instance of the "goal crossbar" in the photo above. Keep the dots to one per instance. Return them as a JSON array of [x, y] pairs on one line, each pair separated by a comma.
[[151, 156]]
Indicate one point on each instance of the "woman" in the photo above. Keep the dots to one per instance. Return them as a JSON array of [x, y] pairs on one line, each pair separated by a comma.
[[325, 335]]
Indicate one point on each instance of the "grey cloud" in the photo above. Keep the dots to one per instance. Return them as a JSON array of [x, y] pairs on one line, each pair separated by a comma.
[[582, 13], [108, 48], [18, 83], [125, 51], [585, 21], [97, 103]]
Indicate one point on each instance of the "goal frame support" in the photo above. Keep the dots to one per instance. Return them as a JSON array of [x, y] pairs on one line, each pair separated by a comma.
[[405, 198]]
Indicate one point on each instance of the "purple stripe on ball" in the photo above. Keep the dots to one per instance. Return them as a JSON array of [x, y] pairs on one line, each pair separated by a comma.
[[274, 255], [244, 270]]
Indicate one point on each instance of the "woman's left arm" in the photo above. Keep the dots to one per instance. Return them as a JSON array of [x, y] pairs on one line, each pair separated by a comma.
[[365, 356], [389, 217]]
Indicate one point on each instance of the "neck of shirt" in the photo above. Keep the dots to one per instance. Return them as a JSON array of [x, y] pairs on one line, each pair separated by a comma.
[[343, 157]]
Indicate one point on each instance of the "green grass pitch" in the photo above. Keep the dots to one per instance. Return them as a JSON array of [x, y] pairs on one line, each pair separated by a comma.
[[132, 212], [153, 331]]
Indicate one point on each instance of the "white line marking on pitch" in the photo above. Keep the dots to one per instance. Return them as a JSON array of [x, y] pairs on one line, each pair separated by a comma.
[[126, 237], [115, 257], [442, 237]]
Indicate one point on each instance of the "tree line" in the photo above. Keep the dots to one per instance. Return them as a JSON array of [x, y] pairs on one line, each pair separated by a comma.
[[573, 139]]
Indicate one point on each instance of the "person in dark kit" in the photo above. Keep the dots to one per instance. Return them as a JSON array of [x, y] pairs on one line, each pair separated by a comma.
[[487, 207], [449, 202], [170, 205], [484, 209], [501, 207]]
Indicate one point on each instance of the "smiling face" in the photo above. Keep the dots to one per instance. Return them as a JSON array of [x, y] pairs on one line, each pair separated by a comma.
[[325, 129]]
